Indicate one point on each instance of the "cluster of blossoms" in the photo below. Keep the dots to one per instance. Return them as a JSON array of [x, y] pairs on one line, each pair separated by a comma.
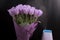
[[25, 14]]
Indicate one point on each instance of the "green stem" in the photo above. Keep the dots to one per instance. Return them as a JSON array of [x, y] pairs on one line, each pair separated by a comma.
[[26, 18], [36, 19], [22, 17], [30, 18]]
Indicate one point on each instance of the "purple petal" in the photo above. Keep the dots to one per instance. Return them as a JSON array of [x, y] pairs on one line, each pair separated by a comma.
[[19, 8], [12, 11], [36, 13], [31, 12], [40, 12], [26, 8]]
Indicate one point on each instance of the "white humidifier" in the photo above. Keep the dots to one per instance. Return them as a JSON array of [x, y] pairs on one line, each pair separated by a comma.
[[47, 35]]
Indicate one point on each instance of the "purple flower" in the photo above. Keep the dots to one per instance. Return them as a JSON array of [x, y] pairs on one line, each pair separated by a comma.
[[38, 13], [19, 8], [31, 12], [12, 11], [26, 8]]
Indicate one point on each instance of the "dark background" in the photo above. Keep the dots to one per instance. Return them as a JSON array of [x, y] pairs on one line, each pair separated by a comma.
[[50, 19]]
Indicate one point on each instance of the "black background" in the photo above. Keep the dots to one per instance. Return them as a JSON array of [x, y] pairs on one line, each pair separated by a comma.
[[50, 19]]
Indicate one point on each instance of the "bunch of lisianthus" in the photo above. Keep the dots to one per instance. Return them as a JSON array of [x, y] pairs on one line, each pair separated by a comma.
[[25, 14]]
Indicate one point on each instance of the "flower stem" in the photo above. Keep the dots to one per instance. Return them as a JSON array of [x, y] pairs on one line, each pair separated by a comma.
[[36, 19], [26, 18], [31, 19], [22, 18]]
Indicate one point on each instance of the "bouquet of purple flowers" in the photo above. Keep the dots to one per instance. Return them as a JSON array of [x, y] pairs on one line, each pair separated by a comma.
[[25, 20]]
